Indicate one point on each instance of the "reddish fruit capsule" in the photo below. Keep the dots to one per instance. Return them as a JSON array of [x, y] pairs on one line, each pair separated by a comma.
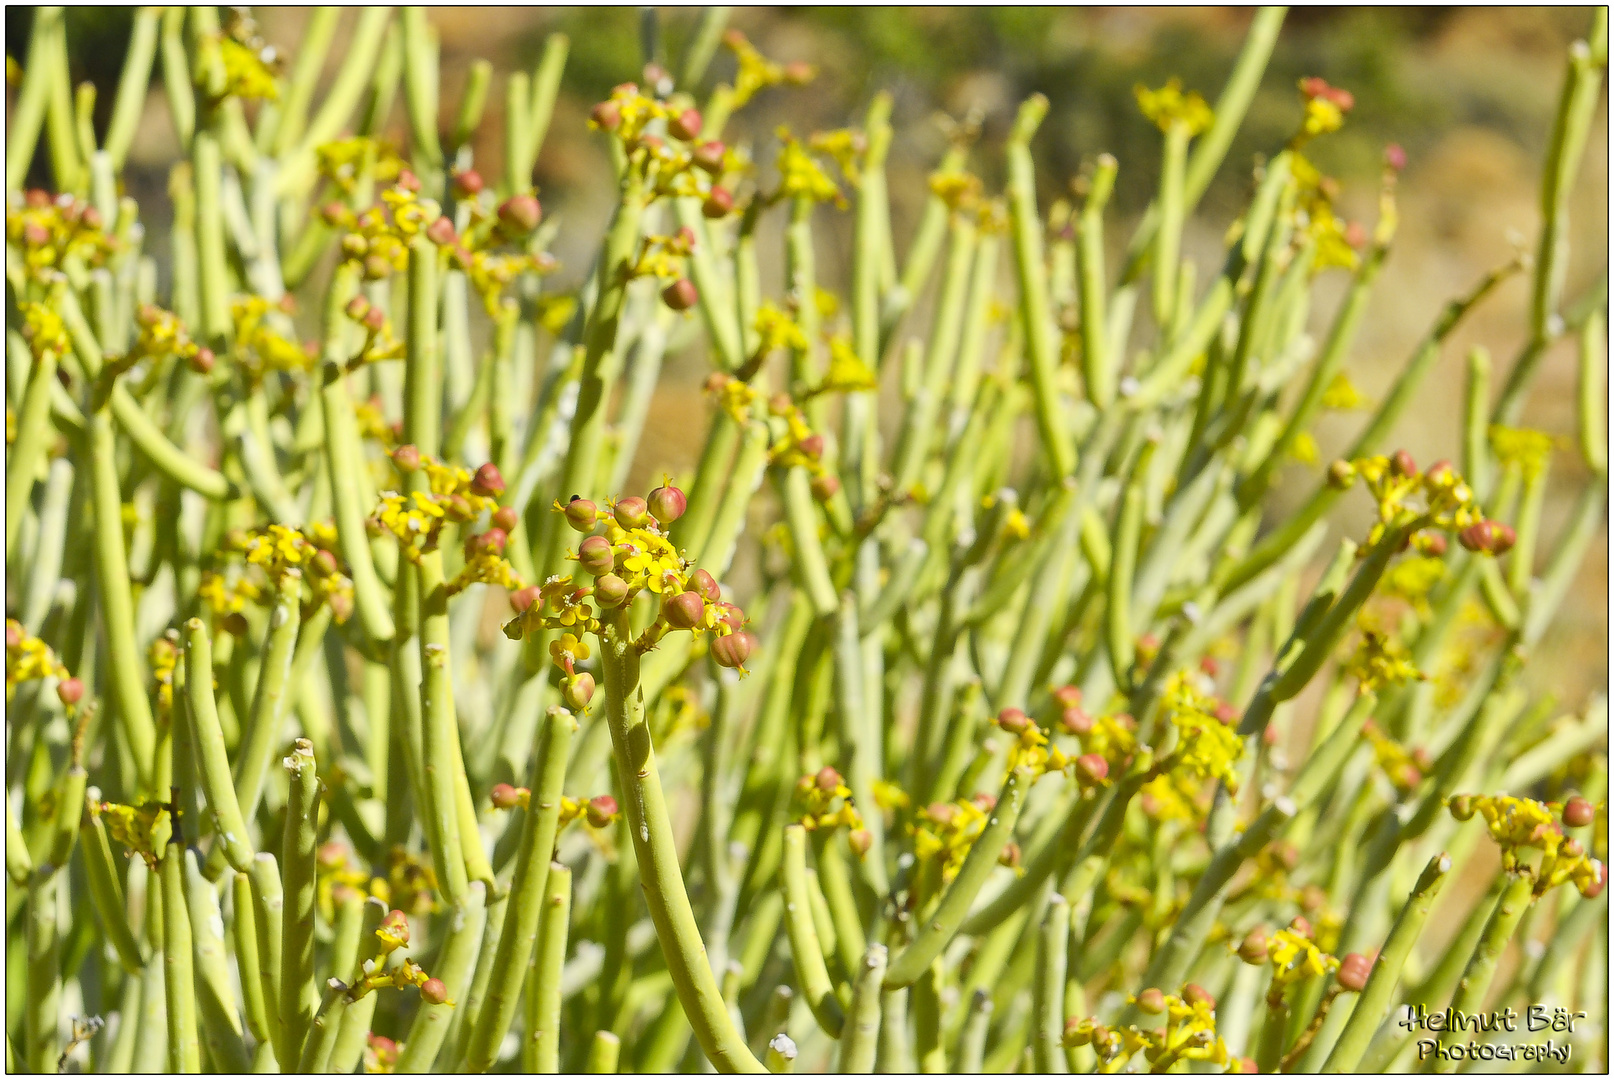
[[594, 554], [467, 183], [827, 778], [1301, 925], [441, 232], [607, 114], [506, 518], [799, 72], [1013, 720], [732, 650], [1253, 949], [377, 267], [1091, 768], [522, 599], [1491, 537], [686, 125], [631, 512], [812, 445], [1401, 464], [374, 319], [70, 692], [202, 361], [1461, 806], [358, 307], [731, 616], [1354, 968], [1076, 720], [1195, 994], [578, 689], [1152, 1001], [684, 611], [1578, 812], [408, 180], [1592, 890], [708, 157], [610, 591], [825, 487], [667, 504], [325, 562], [1432, 544], [433, 992], [1395, 157], [860, 841], [1068, 696], [705, 585], [602, 809], [488, 481], [520, 214], [506, 796], [581, 514], [681, 295], [718, 204]]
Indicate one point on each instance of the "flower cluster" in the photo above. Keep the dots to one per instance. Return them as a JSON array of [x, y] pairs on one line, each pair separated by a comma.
[[27, 657], [380, 342], [756, 72], [135, 827], [259, 348], [800, 174], [1381, 660], [50, 231], [454, 494], [1437, 497], [1519, 824], [1168, 108], [345, 160], [377, 974], [1314, 205], [1325, 106], [1208, 747], [1404, 767], [1528, 450], [826, 801], [44, 330], [1294, 958], [162, 334], [947, 830], [162, 656], [280, 550], [1189, 1033]]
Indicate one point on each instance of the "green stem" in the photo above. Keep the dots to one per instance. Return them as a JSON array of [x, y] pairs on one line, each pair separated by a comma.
[[1048, 989], [543, 989], [184, 1049], [861, 1037], [297, 854]]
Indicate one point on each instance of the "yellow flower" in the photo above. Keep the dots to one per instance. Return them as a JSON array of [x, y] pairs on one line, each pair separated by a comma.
[[1207, 748], [800, 175], [777, 330], [1169, 107], [246, 74], [567, 651], [1529, 450], [847, 372], [136, 828], [844, 145], [1343, 396], [341, 160], [1295, 957]]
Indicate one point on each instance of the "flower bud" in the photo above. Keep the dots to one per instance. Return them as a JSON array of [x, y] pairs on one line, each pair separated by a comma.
[[1068, 696], [1341, 474], [594, 554], [507, 796], [799, 72], [1301, 925], [610, 591], [631, 512], [860, 841], [1430, 543], [708, 157], [667, 504], [1395, 157], [601, 810], [578, 689], [467, 183], [407, 180], [684, 611], [1013, 720], [488, 481], [520, 214], [494, 540], [1010, 856], [1578, 812], [681, 295], [731, 650], [522, 599], [70, 692], [1401, 464], [506, 518], [406, 458], [581, 514], [374, 320], [827, 778], [433, 992], [1253, 949], [1195, 994], [396, 925], [719, 203], [458, 508], [607, 115], [377, 267], [1091, 769], [1491, 537], [201, 361], [1461, 806], [1152, 1001], [686, 125], [825, 487], [984, 801], [358, 307], [235, 624], [1354, 968], [441, 232]]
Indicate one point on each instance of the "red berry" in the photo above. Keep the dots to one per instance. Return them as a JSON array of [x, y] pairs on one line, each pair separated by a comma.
[[467, 183], [732, 650], [681, 295], [594, 554], [825, 487], [441, 232], [1013, 720], [718, 204], [610, 591], [520, 214], [506, 518], [1578, 812], [686, 125], [607, 114], [667, 504], [71, 690], [433, 992], [1354, 969], [684, 611], [601, 809], [522, 599], [581, 514], [631, 512], [1091, 768], [705, 585], [708, 157]]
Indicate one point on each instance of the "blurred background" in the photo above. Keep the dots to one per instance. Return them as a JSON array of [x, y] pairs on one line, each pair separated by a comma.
[[1470, 94]]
